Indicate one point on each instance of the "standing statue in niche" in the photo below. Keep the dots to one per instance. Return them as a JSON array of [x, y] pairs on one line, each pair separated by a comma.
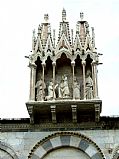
[[40, 92], [64, 88], [89, 87], [50, 91], [76, 89]]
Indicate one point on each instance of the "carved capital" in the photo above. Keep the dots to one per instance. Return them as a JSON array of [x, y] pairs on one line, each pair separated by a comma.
[[83, 63], [73, 63], [43, 64], [32, 65], [54, 63], [93, 63]]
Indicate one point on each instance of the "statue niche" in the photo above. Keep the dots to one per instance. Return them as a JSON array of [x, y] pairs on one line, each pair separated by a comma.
[[76, 89], [88, 80], [78, 79], [89, 86], [40, 85], [63, 90], [50, 95], [64, 77]]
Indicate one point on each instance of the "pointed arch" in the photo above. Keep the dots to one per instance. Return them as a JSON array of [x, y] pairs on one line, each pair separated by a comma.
[[66, 139], [63, 51], [36, 55], [89, 53]]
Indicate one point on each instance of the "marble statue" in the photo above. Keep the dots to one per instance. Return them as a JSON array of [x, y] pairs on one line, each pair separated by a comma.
[[40, 92], [50, 91], [76, 89], [89, 87], [64, 88]]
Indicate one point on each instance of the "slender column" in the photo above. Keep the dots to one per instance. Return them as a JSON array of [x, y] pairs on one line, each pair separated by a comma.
[[54, 64], [43, 67], [96, 71], [32, 81], [73, 64], [72, 37], [84, 87], [93, 77], [54, 36], [95, 86]]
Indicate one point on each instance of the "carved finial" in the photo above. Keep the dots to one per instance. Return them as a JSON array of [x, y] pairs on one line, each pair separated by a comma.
[[34, 33], [63, 15], [93, 37], [81, 15], [54, 36], [77, 27], [87, 27], [46, 18], [72, 36], [39, 29], [49, 29], [33, 40]]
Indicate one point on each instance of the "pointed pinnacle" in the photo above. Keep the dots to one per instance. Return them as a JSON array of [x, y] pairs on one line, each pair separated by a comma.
[[63, 15], [81, 15]]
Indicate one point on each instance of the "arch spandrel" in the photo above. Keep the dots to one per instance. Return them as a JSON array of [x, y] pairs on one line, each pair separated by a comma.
[[65, 140]]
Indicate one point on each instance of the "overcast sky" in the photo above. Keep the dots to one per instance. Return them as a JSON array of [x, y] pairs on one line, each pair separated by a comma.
[[17, 20]]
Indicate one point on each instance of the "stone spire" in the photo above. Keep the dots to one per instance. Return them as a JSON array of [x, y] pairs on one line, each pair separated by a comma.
[[45, 29], [82, 29], [81, 15], [63, 15], [93, 38], [64, 27], [33, 40], [46, 18], [39, 30]]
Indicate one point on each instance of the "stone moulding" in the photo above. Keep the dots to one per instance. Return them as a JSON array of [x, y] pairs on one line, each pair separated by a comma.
[[66, 139], [8, 149], [115, 153]]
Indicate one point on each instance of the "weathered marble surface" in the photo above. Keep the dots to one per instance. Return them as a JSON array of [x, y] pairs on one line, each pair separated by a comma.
[[22, 142]]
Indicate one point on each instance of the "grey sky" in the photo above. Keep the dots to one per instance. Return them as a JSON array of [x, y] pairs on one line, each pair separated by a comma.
[[19, 18]]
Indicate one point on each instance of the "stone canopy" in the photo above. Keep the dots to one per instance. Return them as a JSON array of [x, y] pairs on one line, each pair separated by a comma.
[[63, 72]]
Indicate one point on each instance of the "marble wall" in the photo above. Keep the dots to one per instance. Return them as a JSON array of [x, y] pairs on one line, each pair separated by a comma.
[[18, 145]]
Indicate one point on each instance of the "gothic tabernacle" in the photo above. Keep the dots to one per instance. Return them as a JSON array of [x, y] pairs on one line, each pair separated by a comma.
[[63, 72]]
